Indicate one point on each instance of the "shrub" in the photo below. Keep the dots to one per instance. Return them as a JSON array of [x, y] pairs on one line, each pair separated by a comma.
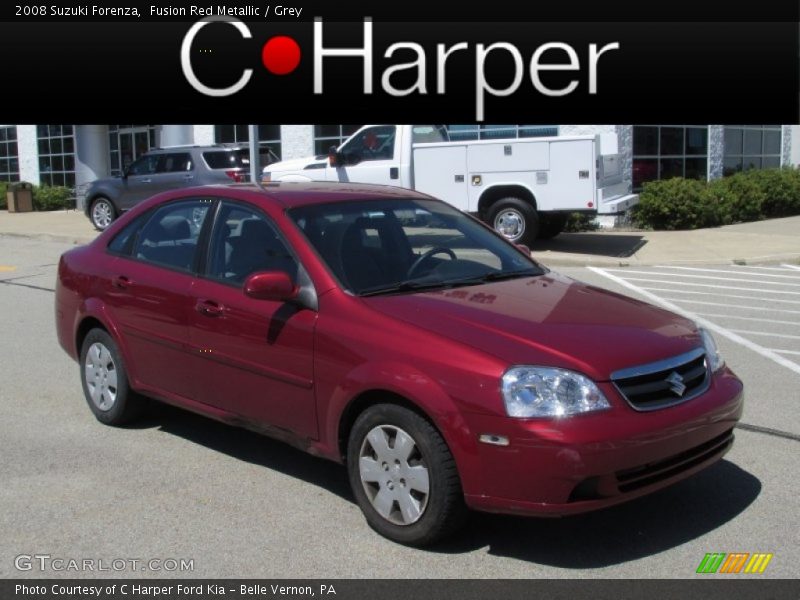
[[50, 197], [781, 188], [3, 190], [744, 201], [577, 222], [674, 204]]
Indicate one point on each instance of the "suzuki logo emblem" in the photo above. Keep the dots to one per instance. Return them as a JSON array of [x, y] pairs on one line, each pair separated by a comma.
[[675, 381]]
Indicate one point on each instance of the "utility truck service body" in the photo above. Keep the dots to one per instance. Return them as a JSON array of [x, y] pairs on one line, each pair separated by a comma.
[[524, 188]]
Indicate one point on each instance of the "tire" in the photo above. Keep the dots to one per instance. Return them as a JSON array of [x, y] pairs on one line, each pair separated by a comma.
[[515, 219], [552, 225], [393, 497], [105, 381], [102, 213]]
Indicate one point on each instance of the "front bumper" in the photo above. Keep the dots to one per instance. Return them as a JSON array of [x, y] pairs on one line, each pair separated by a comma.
[[559, 467]]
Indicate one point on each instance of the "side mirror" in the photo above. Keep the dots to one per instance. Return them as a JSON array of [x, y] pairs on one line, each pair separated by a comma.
[[270, 285], [524, 249], [334, 158]]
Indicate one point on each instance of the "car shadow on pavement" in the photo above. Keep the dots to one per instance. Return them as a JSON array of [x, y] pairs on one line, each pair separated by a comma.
[[248, 446], [595, 244], [643, 527]]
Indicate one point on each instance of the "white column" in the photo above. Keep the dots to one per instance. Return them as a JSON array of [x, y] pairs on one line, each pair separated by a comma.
[[176, 135], [28, 152], [91, 156], [297, 141], [203, 135]]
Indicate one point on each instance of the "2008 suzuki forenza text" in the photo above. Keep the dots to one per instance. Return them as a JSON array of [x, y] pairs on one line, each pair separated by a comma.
[[381, 328]]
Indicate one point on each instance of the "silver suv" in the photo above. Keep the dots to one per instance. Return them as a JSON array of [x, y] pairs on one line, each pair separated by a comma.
[[164, 169]]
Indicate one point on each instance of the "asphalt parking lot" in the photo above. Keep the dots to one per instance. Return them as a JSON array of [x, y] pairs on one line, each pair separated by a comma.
[[178, 486]]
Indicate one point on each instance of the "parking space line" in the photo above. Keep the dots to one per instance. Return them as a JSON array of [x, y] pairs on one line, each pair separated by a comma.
[[710, 325], [791, 312], [785, 351], [794, 267], [785, 336], [705, 285], [795, 323], [782, 268], [707, 277], [696, 293], [792, 277], [7, 268]]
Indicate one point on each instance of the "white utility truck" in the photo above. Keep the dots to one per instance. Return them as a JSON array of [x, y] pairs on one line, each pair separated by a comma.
[[524, 188]]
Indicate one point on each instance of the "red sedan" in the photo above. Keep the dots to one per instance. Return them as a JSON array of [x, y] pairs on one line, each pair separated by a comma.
[[384, 329]]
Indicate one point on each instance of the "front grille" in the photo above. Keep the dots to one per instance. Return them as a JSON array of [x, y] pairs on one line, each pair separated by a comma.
[[642, 476], [664, 383]]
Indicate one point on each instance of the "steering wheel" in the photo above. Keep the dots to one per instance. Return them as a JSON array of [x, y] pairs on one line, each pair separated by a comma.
[[426, 255]]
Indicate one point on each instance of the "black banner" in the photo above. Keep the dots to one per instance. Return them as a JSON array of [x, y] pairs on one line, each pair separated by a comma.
[[232, 69], [388, 589]]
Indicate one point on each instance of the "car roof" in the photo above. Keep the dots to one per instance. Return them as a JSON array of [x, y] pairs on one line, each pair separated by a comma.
[[301, 193]]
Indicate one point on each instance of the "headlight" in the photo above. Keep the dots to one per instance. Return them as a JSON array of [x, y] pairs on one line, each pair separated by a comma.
[[713, 357], [548, 392]]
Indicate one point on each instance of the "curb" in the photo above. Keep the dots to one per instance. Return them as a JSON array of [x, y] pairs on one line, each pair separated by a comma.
[[50, 237]]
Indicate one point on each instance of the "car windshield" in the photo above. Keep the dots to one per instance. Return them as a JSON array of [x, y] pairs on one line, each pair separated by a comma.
[[404, 245]]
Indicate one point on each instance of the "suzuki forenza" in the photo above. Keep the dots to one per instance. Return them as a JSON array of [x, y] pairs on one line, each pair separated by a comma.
[[381, 328]]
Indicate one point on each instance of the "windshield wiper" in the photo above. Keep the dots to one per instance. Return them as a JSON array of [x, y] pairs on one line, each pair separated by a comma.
[[416, 286], [500, 275], [404, 286]]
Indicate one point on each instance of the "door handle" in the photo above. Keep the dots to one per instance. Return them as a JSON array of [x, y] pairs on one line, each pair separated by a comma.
[[146, 181], [120, 282], [394, 173], [209, 308], [188, 177]]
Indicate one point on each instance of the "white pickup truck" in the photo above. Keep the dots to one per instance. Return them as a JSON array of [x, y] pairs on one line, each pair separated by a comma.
[[524, 188]]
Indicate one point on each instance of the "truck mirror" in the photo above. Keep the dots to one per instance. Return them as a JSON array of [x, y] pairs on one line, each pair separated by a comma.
[[334, 158]]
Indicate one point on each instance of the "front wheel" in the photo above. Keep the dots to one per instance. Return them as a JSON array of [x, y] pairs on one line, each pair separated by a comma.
[[515, 219], [102, 213], [403, 476]]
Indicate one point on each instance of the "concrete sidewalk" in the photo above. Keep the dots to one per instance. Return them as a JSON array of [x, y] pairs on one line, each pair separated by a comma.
[[773, 241]]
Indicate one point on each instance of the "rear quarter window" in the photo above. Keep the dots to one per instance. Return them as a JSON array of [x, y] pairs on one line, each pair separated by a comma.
[[227, 159]]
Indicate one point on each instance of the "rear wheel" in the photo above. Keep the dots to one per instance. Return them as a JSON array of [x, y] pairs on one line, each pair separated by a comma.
[[403, 476], [102, 213], [105, 381], [515, 219]]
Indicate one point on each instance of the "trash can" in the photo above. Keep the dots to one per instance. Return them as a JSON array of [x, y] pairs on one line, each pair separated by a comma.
[[20, 197]]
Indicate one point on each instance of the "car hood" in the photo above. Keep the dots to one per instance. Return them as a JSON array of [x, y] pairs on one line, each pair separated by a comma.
[[296, 164], [549, 320]]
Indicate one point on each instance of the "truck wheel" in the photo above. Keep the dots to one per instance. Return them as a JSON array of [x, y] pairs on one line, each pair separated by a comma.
[[514, 219], [552, 225]]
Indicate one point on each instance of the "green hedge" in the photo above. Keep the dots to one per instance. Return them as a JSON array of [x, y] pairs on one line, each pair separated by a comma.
[[45, 197], [690, 204], [50, 197]]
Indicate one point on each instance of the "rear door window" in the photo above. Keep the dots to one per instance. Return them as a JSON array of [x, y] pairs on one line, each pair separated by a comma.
[[175, 162]]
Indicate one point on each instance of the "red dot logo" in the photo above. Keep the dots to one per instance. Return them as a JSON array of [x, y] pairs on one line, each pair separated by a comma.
[[280, 55]]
